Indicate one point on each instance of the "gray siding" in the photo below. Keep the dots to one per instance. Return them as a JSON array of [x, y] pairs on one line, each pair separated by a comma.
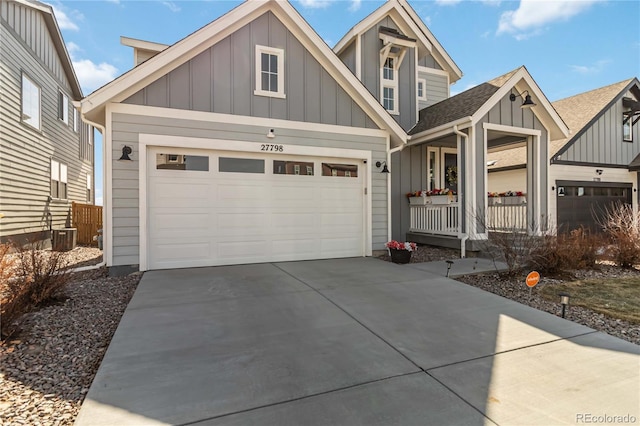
[[429, 62], [222, 80], [371, 45], [602, 142], [348, 56], [127, 128], [408, 173], [25, 153], [437, 88]]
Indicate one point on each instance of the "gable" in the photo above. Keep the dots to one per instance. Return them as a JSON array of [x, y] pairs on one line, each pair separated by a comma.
[[34, 26], [221, 79]]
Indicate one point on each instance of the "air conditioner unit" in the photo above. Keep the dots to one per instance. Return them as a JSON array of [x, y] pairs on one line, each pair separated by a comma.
[[64, 239]]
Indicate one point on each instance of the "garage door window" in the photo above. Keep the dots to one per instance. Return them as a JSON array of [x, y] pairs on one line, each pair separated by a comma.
[[182, 162], [292, 168], [240, 165], [340, 170]]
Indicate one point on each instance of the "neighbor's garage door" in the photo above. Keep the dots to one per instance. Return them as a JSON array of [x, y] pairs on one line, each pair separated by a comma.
[[222, 208], [582, 203]]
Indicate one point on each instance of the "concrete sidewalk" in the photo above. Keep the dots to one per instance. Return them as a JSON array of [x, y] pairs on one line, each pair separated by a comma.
[[350, 341]]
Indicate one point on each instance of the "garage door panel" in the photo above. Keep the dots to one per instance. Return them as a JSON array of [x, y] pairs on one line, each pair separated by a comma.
[[222, 218]]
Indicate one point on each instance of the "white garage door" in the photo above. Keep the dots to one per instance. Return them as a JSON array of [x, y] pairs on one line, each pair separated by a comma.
[[222, 208]]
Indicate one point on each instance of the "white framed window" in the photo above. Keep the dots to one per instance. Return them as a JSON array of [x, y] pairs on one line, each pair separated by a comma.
[[296, 169], [76, 120], [309, 170], [422, 89], [58, 180], [627, 128], [389, 84], [88, 187], [269, 72], [30, 102], [63, 108]]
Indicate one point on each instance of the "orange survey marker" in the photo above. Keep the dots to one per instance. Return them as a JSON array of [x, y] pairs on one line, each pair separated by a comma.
[[533, 278]]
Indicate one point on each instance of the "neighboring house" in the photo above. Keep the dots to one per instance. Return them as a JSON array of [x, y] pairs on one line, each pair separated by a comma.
[[595, 166], [46, 152], [252, 141]]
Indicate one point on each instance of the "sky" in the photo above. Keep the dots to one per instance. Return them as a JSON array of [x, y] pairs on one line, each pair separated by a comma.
[[568, 46]]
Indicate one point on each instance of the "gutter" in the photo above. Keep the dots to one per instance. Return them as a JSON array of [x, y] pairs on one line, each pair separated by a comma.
[[463, 236]]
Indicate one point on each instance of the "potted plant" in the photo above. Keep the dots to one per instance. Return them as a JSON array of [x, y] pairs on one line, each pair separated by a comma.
[[494, 198], [417, 198], [400, 252], [441, 196], [513, 198]]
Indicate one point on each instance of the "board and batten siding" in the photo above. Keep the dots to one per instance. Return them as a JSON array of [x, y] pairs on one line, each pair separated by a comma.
[[25, 152], [222, 80], [127, 128], [430, 62], [370, 46], [602, 142], [348, 56]]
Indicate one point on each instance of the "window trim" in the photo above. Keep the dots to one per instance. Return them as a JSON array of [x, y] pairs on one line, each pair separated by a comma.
[[63, 107], [76, 120], [630, 123], [422, 81], [390, 83], [279, 53], [22, 103], [59, 173]]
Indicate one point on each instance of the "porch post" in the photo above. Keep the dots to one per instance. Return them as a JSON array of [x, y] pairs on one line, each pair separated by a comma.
[[470, 201]]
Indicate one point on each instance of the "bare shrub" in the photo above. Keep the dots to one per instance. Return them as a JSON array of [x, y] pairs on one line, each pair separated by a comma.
[[33, 276], [621, 224], [565, 252]]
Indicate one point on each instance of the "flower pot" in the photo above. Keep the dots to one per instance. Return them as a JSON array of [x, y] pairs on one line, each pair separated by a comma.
[[400, 256], [440, 199], [418, 201], [511, 201]]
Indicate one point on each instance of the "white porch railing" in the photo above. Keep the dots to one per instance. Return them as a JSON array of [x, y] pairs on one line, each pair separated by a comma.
[[504, 217], [440, 219]]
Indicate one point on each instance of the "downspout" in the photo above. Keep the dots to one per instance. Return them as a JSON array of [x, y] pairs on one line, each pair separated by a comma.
[[103, 132], [391, 151], [463, 236]]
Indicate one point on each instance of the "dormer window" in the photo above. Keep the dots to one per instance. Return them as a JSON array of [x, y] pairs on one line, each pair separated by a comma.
[[394, 49], [269, 72]]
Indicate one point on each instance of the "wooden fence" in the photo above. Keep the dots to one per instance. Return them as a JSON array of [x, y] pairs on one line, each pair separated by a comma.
[[87, 219]]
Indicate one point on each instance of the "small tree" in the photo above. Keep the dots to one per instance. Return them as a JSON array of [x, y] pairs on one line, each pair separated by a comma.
[[621, 224]]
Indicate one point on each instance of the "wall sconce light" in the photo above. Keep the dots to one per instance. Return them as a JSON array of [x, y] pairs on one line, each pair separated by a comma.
[[528, 103], [553, 188], [126, 151], [564, 301], [382, 164], [271, 134], [599, 171]]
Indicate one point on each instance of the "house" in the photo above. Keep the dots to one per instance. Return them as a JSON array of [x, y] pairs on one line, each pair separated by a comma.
[[46, 152], [251, 140], [591, 169]]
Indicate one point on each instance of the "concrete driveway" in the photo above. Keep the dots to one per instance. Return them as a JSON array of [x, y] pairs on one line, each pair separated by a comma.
[[351, 342]]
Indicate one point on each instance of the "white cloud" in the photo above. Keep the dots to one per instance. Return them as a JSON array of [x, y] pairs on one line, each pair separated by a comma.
[[355, 5], [64, 21], [532, 15], [73, 48], [427, 20], [595, 68], [92, 75], [316, 4], [172, 6]]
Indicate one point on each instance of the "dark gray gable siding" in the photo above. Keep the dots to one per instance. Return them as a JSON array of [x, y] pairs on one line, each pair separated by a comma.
[[371, 45], [429, 62], [348, 56], [222, 80], [25, 153], [602, 142]]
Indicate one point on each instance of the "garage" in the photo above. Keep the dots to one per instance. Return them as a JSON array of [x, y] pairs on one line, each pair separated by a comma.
[[208, 208], [583, 203]]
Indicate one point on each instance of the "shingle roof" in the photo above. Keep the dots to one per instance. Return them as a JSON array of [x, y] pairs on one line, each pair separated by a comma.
[[459, 106], [576, 111]]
